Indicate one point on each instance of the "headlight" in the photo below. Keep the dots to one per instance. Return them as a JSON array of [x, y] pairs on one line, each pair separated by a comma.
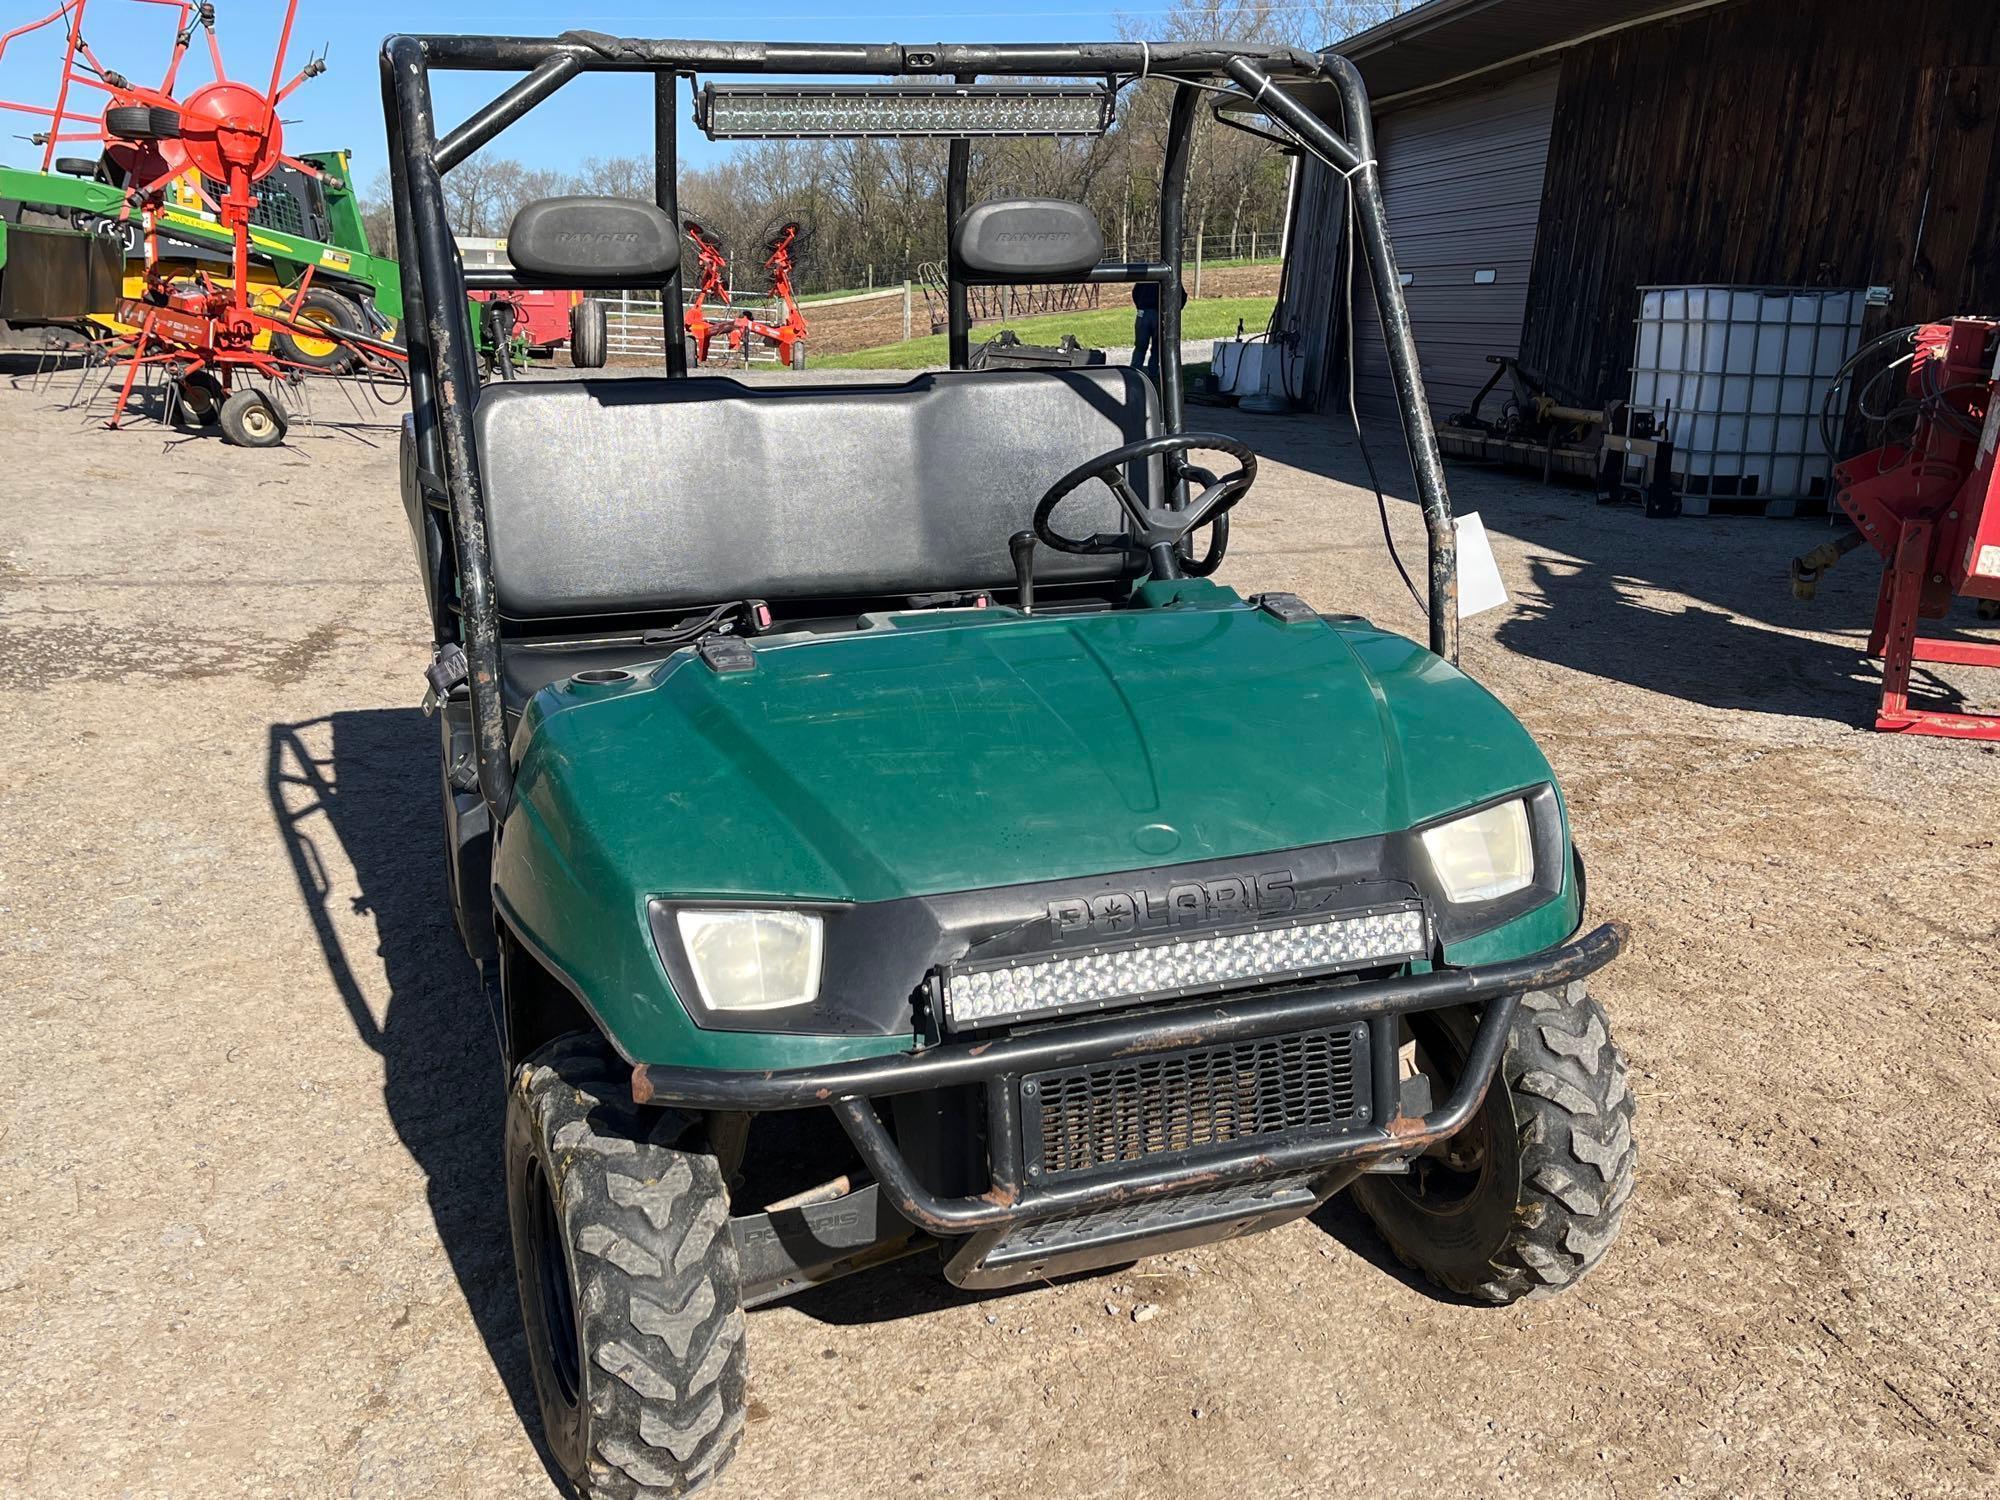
[[1483, 855], [753, 960]]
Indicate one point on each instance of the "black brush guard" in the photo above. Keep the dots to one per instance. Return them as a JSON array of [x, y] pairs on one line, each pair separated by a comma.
[[1325, 1156]]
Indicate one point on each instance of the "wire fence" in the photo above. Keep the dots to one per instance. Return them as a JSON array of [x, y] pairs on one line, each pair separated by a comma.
[[1199, 254]]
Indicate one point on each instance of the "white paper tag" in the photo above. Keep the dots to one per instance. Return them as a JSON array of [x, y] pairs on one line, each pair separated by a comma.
[[1479, 585]]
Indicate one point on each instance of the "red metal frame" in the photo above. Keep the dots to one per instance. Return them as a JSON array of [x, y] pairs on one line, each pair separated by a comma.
[[80, 65], [229, 133], [1931, 508], [712, 265], [789, 334]]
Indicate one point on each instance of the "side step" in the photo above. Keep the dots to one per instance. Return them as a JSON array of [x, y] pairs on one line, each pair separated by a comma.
[[1113, 1236]]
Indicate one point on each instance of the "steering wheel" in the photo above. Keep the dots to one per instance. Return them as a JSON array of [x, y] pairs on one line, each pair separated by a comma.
[[1160, 533]]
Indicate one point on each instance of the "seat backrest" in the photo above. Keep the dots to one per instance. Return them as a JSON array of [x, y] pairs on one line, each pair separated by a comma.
[[621, 497]]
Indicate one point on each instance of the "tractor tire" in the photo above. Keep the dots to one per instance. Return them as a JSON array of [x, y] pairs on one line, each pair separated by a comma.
[[249, 420], [77, 166], [329, 309], [589, 335], [202, 398], [142, 122], [628, 1279], [1526, 1199]]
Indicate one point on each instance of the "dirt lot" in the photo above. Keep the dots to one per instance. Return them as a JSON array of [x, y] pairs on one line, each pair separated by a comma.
[[254, 1233]]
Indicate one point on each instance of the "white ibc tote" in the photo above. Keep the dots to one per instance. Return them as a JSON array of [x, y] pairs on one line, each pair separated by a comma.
[[1745, 370]]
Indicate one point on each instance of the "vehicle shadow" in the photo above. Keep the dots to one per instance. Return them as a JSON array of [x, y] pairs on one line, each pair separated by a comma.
[[913, 1286], [1698, 608], [362, 785], [1341, 1219]]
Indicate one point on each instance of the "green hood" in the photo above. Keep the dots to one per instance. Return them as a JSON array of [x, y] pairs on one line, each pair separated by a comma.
[[947, 752], [910, 761]]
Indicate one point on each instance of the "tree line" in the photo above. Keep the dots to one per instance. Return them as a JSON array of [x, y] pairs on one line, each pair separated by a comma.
[[873, 210]]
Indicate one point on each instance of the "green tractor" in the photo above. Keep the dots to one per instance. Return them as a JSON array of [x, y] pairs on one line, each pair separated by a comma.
[[883, 836]]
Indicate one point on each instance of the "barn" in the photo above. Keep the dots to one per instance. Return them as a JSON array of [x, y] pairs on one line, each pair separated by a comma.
[[1543, 161]]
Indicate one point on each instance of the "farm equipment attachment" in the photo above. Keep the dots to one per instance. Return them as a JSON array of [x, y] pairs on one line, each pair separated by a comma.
[[1627, 452], [711, 280], [1928, 502], [788, 335], [188, 237], [204, 332]]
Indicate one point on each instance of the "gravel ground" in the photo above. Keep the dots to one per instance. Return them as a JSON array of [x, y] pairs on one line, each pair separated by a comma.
[[249, 1111]]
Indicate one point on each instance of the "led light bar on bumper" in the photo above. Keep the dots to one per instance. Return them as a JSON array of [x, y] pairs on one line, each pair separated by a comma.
[[994, 993], [778, 111]]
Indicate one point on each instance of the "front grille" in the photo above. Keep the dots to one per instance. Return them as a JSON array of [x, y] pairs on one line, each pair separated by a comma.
[[1118, 1113]]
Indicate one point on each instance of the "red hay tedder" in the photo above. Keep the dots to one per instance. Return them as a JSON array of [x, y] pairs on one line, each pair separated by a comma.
[[790, 335], [204, 333], [711, 281]]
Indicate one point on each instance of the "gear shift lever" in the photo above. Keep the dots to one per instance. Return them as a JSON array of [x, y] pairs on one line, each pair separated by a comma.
[[1021, 546]]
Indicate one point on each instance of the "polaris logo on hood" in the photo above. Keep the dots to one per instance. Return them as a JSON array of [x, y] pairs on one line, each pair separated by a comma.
[[1184, 903]]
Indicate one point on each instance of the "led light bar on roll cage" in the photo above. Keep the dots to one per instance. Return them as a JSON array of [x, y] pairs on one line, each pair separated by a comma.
[[784, 111], [1007, 990]]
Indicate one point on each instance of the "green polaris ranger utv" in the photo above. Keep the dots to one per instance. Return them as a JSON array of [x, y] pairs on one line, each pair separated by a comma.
[[881, 833]]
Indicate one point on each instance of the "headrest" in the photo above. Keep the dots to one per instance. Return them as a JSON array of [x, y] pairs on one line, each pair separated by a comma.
[[593, 242], [1027, 239]]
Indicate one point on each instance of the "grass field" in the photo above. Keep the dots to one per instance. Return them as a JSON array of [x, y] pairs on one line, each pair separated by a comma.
[[895, 286], [1107, 328]]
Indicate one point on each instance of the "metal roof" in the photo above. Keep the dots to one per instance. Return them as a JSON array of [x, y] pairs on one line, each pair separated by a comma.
[[1445, 41]]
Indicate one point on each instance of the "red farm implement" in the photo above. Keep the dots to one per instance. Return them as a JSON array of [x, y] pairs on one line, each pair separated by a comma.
[[789, 335], [208, 335], [1929, 503], [711, 280]]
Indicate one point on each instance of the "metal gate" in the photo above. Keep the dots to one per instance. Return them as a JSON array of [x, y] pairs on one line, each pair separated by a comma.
[[634, 325]]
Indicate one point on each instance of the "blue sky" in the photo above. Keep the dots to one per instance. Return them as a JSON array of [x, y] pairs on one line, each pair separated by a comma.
[[601, 116]]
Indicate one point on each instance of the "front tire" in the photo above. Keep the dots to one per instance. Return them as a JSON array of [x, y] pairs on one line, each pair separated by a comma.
[[1526, 1199], [628, 1279]]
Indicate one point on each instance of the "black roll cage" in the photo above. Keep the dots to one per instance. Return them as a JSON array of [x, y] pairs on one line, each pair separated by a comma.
[[444, 382]]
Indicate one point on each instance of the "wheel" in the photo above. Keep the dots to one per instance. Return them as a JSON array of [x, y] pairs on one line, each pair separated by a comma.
[[202, 398], [249, 420], [589, 335], [628, 1280], [325, 308], [142, 122], [77, 166], [1527, 1197]]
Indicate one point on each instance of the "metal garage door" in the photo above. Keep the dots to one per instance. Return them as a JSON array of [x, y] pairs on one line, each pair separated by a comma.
[[1463, 183]]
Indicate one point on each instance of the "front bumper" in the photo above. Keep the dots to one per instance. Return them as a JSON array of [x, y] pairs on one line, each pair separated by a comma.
[[852, 1089]]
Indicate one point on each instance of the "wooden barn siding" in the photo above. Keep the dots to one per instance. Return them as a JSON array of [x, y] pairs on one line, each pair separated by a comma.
[[1781, 142]]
